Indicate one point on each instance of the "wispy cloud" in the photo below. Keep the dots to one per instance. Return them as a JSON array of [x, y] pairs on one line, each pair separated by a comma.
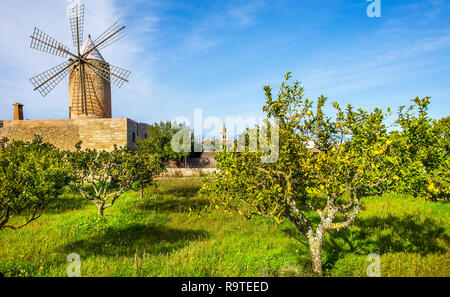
[[196, 42], [245, 15], [382, 69], [206, 32]]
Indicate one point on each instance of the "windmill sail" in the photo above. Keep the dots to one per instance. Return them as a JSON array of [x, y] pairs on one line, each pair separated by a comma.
[[47, 44], [116, 75], [111, 35], [47, 80], [115, 27], [76, 16]]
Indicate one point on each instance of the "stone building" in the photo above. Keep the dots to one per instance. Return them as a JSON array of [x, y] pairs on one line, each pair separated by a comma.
[[94, 133]]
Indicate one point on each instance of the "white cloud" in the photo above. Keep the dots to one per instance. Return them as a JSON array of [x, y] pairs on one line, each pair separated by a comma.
[[245, 15], [382, 66], [205, 34]]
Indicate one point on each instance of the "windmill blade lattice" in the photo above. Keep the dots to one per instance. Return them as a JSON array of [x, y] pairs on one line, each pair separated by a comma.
[[76, 15], [111, 41], [111, 35], [47, 44], [108, 31], [108, 37], [46, 81], [116, 75]]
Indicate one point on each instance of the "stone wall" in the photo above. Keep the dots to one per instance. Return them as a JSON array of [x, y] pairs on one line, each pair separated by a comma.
[[187, 172], [206, 160], [100, 134], [135, 130]]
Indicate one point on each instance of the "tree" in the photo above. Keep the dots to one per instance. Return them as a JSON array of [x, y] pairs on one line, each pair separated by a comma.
[[159, 141], [442, 127], [102, 176], [420, 148], [147, 166], [316, 192], [32, 175], [439, 184]]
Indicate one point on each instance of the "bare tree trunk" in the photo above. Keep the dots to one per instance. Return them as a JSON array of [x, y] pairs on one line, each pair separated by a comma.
[[315, 247], [4, 217], [142, 192]]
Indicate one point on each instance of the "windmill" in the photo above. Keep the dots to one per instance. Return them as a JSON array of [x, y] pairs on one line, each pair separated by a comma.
[[90, 76]]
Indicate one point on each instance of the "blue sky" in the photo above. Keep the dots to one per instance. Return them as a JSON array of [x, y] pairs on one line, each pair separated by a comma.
[[217, 55]]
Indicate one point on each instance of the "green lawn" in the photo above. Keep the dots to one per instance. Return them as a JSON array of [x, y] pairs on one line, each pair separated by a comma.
[[159, 236]]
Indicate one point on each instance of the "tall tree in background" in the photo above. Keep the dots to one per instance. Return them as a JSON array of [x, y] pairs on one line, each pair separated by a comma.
[[159, 141]]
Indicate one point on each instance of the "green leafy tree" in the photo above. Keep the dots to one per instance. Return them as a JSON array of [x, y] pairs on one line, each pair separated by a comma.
[[442, 127], [32, 175], [147, 165], [316, 192], [420, 149], [159, 141], [102, 176], [439, 183]]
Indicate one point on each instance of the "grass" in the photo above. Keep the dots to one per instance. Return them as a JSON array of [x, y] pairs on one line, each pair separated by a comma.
[[159, 236]]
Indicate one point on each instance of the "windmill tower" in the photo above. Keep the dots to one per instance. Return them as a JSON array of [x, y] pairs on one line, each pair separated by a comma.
[[90, 76], [96, 99]]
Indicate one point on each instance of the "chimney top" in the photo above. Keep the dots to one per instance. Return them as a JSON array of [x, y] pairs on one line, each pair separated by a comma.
[[18, 111]]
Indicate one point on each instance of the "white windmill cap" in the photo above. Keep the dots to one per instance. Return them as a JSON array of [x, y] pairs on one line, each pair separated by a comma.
[[94, 54]]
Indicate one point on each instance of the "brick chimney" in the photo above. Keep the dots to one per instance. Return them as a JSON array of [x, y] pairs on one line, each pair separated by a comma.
[[18, 112]]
